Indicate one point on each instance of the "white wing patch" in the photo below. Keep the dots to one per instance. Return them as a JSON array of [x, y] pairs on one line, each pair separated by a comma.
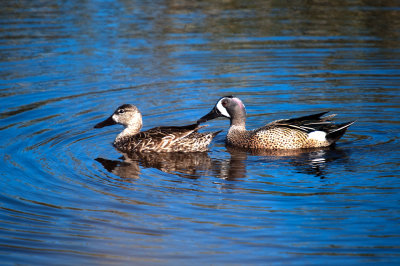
[[317, 135], [222, 109]]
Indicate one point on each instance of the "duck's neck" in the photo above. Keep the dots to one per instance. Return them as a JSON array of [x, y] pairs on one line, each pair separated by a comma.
[[238, 121], [236, 130], [237, 133], [129, 131]]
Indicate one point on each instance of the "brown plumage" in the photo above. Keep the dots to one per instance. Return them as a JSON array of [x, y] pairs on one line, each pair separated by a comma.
[[158, 139], [303, 132]]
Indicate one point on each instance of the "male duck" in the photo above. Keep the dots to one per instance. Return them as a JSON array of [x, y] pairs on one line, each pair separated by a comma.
[[158, 139], [303, 132]]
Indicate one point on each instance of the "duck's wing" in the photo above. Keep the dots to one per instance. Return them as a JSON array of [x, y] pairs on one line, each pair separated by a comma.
[[310, 123], [170, 134], [314, 118]]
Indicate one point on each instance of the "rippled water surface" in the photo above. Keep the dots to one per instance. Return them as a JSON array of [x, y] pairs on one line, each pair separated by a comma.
[[68, 197]]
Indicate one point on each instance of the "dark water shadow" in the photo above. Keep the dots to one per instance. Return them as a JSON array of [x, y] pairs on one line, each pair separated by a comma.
[[313, 162], [188, 165], [123, 168]]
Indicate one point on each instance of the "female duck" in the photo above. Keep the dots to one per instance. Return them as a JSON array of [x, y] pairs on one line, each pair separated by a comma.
[[303, 132], [158, 139]]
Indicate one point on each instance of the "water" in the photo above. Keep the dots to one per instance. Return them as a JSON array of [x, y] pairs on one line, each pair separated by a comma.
[[68, 197]]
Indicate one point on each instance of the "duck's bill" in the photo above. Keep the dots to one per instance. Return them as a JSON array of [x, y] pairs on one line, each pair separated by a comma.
[[211, 115], [108, 122]]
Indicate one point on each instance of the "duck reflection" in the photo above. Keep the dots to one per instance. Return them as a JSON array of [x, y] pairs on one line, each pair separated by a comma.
[[126, 168], [235, 167], [194, 165], [189, 165], [308, 161]]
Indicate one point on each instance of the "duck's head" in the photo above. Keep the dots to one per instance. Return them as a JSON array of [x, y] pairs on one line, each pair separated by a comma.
[[127, 115], [229, 107]]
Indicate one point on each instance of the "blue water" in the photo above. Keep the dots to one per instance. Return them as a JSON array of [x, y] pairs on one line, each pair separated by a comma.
[[68, 197]]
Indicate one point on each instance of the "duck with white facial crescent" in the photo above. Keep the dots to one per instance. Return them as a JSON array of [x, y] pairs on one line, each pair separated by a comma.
[[310, 131]]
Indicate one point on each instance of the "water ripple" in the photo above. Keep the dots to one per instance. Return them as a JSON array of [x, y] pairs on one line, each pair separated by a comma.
[[68, 195]]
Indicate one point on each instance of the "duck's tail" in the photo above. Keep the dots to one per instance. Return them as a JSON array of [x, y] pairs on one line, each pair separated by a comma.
[[216, 133], [335, 134]]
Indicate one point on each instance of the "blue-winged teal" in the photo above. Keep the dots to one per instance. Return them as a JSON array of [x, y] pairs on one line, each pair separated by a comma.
[[303, 132], [158, 139]]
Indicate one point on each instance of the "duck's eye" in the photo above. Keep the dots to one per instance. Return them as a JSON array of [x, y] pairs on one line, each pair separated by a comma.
[[121, 111]]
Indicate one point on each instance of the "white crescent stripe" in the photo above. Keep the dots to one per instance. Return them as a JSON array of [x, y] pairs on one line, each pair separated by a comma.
[[222, 109]]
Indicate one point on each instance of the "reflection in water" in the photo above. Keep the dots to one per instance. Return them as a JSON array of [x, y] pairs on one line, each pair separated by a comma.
[[307, 161], [193, 165], [317, 162], [189, 165], [124, 169], [62, 64]]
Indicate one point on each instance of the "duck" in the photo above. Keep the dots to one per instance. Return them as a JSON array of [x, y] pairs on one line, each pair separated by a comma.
[[311, 131], [158, 139]]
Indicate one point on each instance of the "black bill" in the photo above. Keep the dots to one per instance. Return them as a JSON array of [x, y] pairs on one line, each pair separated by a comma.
[[108, 122], [214, 113]]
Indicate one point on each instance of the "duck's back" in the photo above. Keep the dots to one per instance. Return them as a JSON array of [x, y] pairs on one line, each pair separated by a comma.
[[270, 137], [167, 139], [302, 132], [282, 137]]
